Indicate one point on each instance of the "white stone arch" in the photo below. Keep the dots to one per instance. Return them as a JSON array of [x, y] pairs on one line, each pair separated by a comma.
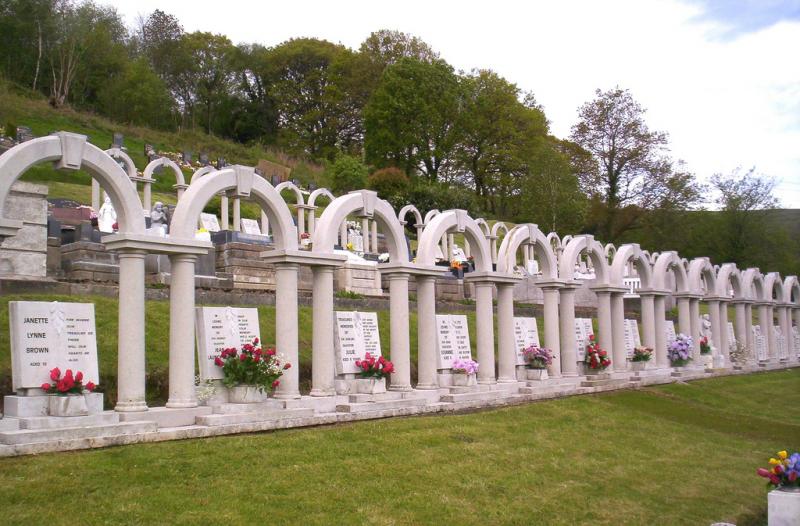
[[565, 240], [729, 274], [180, 182], [773, 300], [701, 270], [73, 152], [320, 192], [630, 253], [773, 287], [791, 290], [753, 284], [484, 226], [430, 215], [524, 234], [688, 322], [288, 185], [200, 172], [312, 207], [130, 166], [572, 251], [245, 182], [459, 221], [496, 229], [670, 262], [401, 216]]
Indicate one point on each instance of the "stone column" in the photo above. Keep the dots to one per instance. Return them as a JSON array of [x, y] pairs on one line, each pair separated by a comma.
[[264, 223], [740, 325], [748, 324], [419, 228], [713, 311], [426, 333], [450, 245], [467, 248], [611, 312], [765, 322], [237, 214], [399, 345], [694, 309], [507, 352], [551, 329], [286, 333], [322, 358], [223, 212], [343, 234], [95, 195], [662, 360], [374, 231], [179, 189], [301, 221], [648, 320], [131, 346], [772, 343], [365, 233], [312, 220], [181, 331], [147, 198], [785, 318], [493, 242], [725, 344], [484, 319], [566, 311], [684, 316]]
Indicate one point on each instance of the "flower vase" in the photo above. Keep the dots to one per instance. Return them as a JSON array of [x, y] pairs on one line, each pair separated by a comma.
[[638, 366], [370, 385], [463, 379], [69, 405], [245, 394], [537, 374], [783, 506]]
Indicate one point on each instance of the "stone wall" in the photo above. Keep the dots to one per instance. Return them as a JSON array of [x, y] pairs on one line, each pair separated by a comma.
[[25, 254]]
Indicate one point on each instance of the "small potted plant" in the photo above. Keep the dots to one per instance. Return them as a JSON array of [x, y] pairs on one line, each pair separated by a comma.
[[305, 239], [680, 351], [464, 372], [373, 374], [783, 478], [67, 393], [641, 355], [596, 359], [250, 374], [537, 359], [707, 352]]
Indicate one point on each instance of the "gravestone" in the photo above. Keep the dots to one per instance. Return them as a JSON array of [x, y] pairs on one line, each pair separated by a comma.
[[45, 335], [632, 339], [276, 180], [356, 239], [251, 226], [24, 134], [204, 159], [583, 329], [356, 335], [669, 326], [796, 339], [760, 342], [118, 141], [221, 163], [731, 337], [209, 222], [780, 342], [452, 339], [218, 328], [526, 333], [186, 157]]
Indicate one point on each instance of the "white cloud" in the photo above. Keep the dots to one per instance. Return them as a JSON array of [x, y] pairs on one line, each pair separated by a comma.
[[724, 102]]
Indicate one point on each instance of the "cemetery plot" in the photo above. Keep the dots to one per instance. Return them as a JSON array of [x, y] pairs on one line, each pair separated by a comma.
[[760, 342], [45, 335], [209, 222], [219, 328], [526, 333], [583, 329], [452, 340], [356, 335], [250, 226], [632, 339]]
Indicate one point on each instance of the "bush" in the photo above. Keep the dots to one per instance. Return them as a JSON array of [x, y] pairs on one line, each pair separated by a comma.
[[347, 173], [391, 184]]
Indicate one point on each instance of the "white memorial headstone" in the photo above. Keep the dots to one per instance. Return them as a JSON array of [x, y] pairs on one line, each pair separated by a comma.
[[209, 222], [796, 339], [669, 326], [356, 334], [760, 343], [632, 339], [780, 342], [251, 226], [731, 337], [45, 335], [218, 328], [526, 333], [452, 341], [583, 328]]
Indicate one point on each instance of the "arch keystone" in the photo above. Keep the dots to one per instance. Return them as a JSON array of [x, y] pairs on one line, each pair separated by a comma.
[[244, 179], [72, 145]]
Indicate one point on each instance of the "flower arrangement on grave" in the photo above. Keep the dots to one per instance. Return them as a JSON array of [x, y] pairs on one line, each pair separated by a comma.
[[68, 384], [372, 367], [305, 235], [596, 358], [680, 351], [455, 265], [642, 354], [468, 366], [383, 257], [785, 470], [349, 246], [251, 366], [705, 347], [537, 357]]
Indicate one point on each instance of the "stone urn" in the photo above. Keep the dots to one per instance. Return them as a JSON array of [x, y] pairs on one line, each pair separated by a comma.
[[536, 374], [783, 507], [69, 405], [370, 385], [463, 380], [638, 366], [588, 371], [245, 394]]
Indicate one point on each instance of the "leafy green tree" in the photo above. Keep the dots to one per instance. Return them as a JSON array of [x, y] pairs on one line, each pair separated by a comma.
[[410, 120], [138, 96], [347, 173], [25, 28], [391, 184]]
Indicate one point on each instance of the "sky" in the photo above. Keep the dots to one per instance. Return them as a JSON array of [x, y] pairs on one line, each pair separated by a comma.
[[722, 78]]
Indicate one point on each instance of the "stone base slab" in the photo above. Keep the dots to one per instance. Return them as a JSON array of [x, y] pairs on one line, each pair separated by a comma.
[[32, 406], [380, 405], [260, 414], [167, 416], [26, 436]]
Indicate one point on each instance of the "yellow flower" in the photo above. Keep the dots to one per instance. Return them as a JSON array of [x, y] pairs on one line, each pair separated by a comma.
[[782, 454], [774, 461]]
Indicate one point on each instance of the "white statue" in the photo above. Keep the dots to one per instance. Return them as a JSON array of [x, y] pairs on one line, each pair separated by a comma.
[[705, 326], [107, 216], [159, 219]]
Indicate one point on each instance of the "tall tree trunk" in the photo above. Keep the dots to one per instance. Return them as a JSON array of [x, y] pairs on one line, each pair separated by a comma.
[[38, 56]]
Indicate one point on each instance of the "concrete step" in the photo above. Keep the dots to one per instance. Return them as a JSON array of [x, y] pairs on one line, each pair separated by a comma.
[[56, 422], [474, 395], [380, 397], [28, 436], [262, 415], [9, 424], [380, 405], [546, 390], [603, 382], [167, 416]]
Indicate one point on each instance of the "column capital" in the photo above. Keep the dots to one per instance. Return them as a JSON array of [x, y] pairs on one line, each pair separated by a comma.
[[549, 283], [491, 278], [653, 292], [303, 257], [190, 258], [608, 289]]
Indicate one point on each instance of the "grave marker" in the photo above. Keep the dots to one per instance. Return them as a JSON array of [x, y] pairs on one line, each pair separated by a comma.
[[731, 337], [669, 326], [356, 334], [209, 222], [780, 342], [796, 339], [251, 226], [45, 335], [632, 339], [583, 328], [760, 342], [452, 341], [219, 328], [526, 333]]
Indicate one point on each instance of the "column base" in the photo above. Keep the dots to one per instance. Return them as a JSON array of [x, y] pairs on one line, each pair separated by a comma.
[[486, 381], [181, 404], [287, 396], [427, 387], [323, 392], [402, 388], [505, 380], [130, 407]]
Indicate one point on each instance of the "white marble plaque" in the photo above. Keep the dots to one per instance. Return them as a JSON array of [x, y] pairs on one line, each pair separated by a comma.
[[731, 337], [526, 333], [632, 339], [356, 335], [780, 342], [45, 335], [209, 222], [796, 339], [669, 326], [250, 226], [452, 340], [760, 342], [583, 328], [218, 328]]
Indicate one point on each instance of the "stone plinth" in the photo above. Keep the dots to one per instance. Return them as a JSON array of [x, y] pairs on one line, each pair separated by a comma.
[[359, 278], [24, 255], [783, 508]]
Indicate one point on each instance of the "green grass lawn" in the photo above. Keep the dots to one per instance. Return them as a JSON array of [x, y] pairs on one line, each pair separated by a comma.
[[678, 454]]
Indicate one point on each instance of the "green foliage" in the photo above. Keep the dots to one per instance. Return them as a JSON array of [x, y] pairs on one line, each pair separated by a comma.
[[347, 173], [349, 295], [138, 96], [391, 184]]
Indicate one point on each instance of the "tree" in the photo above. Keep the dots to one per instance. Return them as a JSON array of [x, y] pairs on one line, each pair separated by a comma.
[[391, 184], [410, 120], [347, 173], [634, 171], [386, 47], [138, 96]]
